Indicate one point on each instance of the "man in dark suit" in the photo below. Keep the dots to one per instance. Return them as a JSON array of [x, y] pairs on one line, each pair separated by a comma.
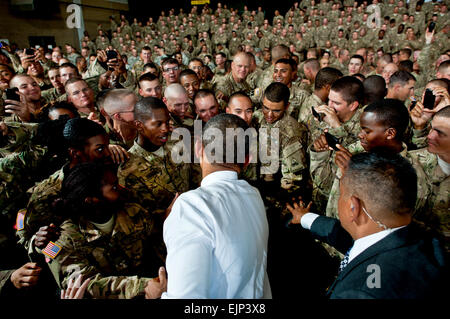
[[387, 255]]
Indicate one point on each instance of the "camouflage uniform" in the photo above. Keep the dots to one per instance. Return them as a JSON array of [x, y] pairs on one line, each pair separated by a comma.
[[138, 68], [120, 263], [292, 152], [153, 178], [332, 205], [229, 86], [347, 132], [296, 99], [305, 113], [50, 95], [40, 211], [266, 78], [433, 205]]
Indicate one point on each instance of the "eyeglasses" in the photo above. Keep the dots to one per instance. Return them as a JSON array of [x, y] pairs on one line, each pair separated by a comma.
[[175, 68]]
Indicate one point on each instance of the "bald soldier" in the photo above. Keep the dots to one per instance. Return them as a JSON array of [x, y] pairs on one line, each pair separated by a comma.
[[235, 80], [177, 100]]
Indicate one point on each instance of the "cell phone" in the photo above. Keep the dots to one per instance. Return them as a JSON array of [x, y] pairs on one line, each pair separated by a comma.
[[37, 46], [318, 116], [29, 52], [332, 141], [431, 26], [429, 99], [11, 94], [110, 54], [413, 105]]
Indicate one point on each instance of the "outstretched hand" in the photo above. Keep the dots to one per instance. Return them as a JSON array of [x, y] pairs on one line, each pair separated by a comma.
[[298, 210]]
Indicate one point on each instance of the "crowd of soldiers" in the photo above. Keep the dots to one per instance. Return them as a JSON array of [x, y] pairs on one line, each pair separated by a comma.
[[86, 164]]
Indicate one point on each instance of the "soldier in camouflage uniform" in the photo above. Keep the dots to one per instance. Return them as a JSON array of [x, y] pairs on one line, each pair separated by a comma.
[[235, 80], [290, 170], [278, 52], [150, 173], [87, 142], [432, 167], [284, 72], [102, 237], [341, 115], [370, 119], [58, 90], [145, 57]]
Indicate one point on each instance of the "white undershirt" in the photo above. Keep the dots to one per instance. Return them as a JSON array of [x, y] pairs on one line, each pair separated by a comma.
[[444, 166], [107, 227]]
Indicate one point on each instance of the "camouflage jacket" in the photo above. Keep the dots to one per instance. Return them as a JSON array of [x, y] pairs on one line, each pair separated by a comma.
[[40, 211], [347, 133], [229, 86], [433, 205], [120, 262], [153, 178], [292, 163]]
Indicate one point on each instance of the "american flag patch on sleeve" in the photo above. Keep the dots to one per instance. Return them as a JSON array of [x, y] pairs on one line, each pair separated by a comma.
[[20, 221], [52, 250]]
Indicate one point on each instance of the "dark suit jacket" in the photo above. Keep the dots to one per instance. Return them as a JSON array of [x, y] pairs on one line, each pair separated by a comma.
[[412, 263]]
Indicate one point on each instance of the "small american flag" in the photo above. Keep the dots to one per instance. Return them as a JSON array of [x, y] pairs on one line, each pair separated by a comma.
[[52, 250], [20, 219]]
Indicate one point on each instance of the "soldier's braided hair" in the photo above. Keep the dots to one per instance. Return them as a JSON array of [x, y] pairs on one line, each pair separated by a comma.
[[78, 130]]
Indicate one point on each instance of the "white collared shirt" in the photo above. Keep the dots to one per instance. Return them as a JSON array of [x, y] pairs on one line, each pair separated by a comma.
[[360, 244], [216, 238]]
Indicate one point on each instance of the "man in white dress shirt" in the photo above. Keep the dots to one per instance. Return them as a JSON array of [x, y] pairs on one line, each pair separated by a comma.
[[216, 235]]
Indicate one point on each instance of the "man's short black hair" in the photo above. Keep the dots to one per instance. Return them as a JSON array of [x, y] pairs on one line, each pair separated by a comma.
[[406, 51], [350, 88], [277, 92], [69, 65], [223, 55], [326, 76], [196, 60], [444, 112], [186, 72], [147, 48], [391, 113], [143, 110], [406, 65], [236, 147], [10, 69], [169, 61], [147, 77], [239, 94], [289, 61], [357, 56], [401, 77], [204, 93], [386, 182], [374, 89]]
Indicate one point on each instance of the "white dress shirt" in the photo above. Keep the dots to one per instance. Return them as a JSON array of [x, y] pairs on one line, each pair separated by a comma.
[[216, 238], [360, 244]]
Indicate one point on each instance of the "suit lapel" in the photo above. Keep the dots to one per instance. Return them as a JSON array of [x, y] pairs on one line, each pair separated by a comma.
[[392, 241]]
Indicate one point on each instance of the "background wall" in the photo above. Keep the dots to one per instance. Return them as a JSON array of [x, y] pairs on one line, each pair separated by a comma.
[[48, 18]]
